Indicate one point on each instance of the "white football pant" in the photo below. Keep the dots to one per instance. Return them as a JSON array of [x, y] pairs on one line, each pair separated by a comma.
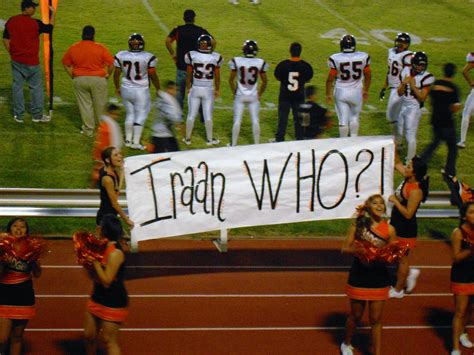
[[466, 116], [200, 95], [409, 119], [348, 107], [137, 106], [254, 108]]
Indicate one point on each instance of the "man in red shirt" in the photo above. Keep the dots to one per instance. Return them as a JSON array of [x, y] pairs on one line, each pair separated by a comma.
[[89, 64], [21, 39]]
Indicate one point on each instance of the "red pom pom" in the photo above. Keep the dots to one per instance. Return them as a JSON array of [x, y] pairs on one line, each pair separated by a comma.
[[28, 248], [88, 248], [365, 251], [393, 252]]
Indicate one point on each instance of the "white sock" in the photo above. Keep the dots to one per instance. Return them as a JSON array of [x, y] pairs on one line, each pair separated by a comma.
[[137, 134]]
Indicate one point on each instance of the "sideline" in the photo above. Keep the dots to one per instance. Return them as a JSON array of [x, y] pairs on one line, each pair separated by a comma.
[[217, 329], [236, 295], [244, 267]]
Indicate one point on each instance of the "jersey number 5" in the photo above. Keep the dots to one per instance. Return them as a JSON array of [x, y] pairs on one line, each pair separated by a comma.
[[293, 83]]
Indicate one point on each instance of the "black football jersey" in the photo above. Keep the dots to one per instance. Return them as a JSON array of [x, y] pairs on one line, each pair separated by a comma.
[[293, 75]]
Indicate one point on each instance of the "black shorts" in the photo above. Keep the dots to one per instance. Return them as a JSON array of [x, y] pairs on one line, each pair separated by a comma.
[[21, 294]]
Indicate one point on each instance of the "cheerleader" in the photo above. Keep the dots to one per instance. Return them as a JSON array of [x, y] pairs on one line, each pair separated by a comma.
[[17, 297], [110, 181], [107, 307], [406, 200], [462, 276], [368, 280]]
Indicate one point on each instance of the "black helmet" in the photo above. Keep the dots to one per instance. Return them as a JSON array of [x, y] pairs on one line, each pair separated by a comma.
[[136, 43], [204, 44], [348, 43], [419, 58], [404, 38], [250, 48]]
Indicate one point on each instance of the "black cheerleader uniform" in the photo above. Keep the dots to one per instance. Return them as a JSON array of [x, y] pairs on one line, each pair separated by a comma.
[[105, 203], [110, 303], [17, 297], [407, 229], [462, 273], [370, 282]]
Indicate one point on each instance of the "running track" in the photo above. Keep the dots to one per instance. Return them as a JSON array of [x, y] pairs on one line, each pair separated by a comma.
[[262, 297]]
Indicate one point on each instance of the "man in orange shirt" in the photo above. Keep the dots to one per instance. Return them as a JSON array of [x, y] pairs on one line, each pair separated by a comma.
[[89, 64]]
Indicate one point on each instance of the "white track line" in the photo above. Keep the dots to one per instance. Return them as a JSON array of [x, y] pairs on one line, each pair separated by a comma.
[[233, 295], [340, 17], [219, 329], [242, 267], [155, 17]]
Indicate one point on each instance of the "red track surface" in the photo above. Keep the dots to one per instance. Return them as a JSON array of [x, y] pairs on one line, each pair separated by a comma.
[[262, 297]]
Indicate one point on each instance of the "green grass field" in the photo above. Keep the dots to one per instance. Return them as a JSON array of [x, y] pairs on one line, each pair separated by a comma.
[[55, 155]]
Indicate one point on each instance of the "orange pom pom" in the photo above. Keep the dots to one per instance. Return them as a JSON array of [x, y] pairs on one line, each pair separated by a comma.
[[88, 248]]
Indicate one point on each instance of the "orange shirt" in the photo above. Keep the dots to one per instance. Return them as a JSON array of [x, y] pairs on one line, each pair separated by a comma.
[[88, 58]]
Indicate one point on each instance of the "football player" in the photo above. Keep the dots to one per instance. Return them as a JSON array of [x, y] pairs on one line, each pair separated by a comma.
[[414, 88], [293, 74], [399, 57], [137, 68], [350, 70], [243, 80], [469, 106], [203, 84]]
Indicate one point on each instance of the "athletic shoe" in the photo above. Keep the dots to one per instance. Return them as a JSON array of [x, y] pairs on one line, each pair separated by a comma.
[[392, 293], [137, 146], [461, 145], [18, 119], [411, 279], [455, 352], [464, 340], [213, 141], [346, 349], [43, 118], [128, 144], [187, 141]]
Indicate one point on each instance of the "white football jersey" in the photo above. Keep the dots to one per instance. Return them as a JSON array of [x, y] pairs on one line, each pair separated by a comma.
[[204, 66], [350, 68], [248, 71], [396, 62], [135, 67], [470, 57], [421, 81]]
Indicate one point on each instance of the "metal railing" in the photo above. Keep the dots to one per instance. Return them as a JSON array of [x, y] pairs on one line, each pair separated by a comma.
[[85, 202]]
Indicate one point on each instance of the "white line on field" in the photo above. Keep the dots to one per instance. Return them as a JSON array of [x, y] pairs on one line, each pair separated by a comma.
[[242, 267], [238, 295], [155, 17], [340, 17], [218, 329]]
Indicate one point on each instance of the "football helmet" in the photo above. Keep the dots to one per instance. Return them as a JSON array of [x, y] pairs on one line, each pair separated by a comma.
[[250, 48], [402, 38], [136, 43], [419, 62], [348, 43], [204, 44]]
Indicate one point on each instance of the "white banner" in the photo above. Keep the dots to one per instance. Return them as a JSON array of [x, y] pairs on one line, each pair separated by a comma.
[[195, 191]]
